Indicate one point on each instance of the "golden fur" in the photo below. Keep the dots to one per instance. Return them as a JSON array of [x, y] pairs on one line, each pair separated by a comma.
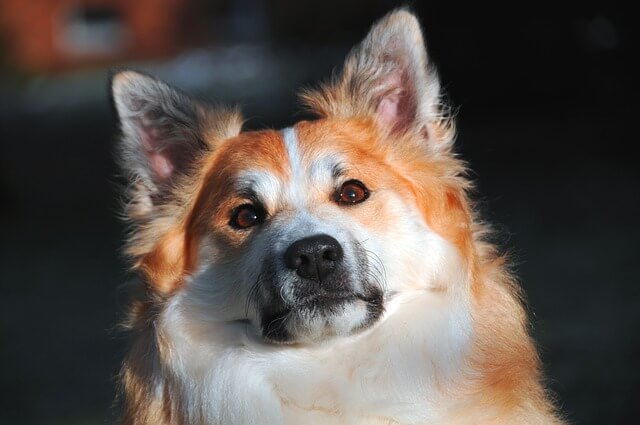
[[498, 380]]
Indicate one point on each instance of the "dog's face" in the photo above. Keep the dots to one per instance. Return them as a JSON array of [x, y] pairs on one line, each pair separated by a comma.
[[290, 235], [306, 233], [310, 239]]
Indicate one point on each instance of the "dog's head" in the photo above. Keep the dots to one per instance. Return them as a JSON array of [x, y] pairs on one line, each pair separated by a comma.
[[308, 232]]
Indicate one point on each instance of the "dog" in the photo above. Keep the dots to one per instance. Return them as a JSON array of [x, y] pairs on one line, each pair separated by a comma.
[[334, 272]]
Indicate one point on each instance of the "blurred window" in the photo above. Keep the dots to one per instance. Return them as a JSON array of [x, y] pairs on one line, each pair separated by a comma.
[[92, 30]]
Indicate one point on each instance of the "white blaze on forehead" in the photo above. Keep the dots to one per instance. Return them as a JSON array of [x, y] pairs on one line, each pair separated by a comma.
[[270, 188], [320, 174], [298, 178], [293, 152]]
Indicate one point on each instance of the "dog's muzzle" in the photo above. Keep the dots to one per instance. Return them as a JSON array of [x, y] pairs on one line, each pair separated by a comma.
[[315, 292]]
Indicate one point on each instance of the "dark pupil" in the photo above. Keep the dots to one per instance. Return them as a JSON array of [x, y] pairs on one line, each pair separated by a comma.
[[247, 217], [351, 193]]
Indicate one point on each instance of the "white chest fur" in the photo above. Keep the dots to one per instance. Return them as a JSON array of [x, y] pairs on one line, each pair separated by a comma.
[[396, 372]]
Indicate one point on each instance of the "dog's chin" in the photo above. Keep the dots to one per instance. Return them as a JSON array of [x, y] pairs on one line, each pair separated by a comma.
[[319, 319]]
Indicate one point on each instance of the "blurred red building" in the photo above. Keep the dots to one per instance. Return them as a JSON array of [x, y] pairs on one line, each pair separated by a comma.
[[47, 35]]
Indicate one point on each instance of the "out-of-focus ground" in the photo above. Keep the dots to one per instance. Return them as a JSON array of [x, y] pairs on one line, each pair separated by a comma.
[[546, 121]]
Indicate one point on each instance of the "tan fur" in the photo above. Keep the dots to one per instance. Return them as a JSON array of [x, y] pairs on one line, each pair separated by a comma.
[[502, 381]]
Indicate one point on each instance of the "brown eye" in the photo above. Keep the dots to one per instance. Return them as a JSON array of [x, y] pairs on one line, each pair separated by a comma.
[[245, 216], [352, 192]]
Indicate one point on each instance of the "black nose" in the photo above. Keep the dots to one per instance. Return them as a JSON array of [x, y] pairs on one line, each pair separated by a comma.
[[314, 257]]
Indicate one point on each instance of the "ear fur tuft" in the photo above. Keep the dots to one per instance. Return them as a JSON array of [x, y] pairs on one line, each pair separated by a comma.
[[164, 133], [387, 77]]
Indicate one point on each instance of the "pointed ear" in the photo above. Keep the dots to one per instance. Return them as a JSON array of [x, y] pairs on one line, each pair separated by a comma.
[[387, 77], [164, 132]]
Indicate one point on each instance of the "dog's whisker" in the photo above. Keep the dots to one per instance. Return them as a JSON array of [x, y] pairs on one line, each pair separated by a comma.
[[252, 294]]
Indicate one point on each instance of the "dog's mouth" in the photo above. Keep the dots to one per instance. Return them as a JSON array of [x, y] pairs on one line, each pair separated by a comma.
[[324, 302], [321, 317]]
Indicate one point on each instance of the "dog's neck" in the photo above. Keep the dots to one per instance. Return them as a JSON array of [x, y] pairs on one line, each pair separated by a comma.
[[393, 370]]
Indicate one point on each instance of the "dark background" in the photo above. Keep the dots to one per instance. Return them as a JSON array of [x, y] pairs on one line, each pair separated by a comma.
[[547, 120]]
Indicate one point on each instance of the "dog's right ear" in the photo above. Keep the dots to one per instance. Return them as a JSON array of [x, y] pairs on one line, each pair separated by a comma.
[[164, 133]]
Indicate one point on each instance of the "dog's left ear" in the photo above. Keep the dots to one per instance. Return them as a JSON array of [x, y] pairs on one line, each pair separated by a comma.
[[387, 77]]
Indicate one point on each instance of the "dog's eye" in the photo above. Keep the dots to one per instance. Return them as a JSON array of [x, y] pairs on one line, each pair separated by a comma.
[[352, 192], [245, 216]]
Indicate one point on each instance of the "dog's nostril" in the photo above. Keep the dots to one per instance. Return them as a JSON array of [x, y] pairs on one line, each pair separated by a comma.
[[330, 255]]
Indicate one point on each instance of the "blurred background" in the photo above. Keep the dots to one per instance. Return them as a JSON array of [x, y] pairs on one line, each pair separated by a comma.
[[548, 119]]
